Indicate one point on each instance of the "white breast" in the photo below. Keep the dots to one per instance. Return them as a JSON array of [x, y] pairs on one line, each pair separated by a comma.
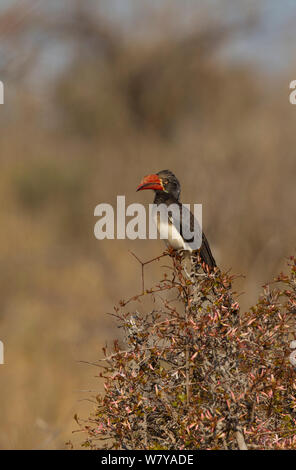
[[168, 232]]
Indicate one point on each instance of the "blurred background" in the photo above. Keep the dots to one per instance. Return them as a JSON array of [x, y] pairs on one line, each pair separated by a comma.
[[98, 94]]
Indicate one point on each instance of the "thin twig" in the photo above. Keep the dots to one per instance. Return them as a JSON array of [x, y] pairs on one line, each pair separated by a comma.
[[240, 439], [144, 263]]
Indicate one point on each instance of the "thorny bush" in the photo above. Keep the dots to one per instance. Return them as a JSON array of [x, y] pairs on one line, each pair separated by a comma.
[[196, 373]]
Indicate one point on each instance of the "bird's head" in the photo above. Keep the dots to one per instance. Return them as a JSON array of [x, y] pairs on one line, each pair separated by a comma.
[[163, 181]]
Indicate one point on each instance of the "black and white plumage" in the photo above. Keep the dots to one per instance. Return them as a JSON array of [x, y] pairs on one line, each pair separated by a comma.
[[179, 226]]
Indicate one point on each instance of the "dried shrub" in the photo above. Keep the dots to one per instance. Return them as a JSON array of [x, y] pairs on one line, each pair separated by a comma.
[[201, 374]]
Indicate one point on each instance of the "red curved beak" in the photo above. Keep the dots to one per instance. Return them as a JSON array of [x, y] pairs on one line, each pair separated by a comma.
[[150, 182]]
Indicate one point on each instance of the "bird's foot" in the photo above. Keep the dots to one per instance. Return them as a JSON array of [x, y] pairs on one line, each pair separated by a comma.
[[171, 251]]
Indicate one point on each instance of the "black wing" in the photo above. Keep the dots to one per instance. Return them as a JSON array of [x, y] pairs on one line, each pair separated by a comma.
[[204, 250], [206, 254]]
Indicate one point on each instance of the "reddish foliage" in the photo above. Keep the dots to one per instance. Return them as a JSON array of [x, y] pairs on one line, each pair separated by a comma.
[[200, 374]]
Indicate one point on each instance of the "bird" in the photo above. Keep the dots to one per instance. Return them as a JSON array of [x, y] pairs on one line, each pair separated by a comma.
[[167, 191]]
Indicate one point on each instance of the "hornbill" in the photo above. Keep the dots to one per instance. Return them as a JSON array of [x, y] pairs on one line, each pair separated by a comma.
[[167, 191]]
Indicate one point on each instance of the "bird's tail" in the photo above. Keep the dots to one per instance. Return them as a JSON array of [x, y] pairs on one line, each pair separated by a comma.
[[206, 255]]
